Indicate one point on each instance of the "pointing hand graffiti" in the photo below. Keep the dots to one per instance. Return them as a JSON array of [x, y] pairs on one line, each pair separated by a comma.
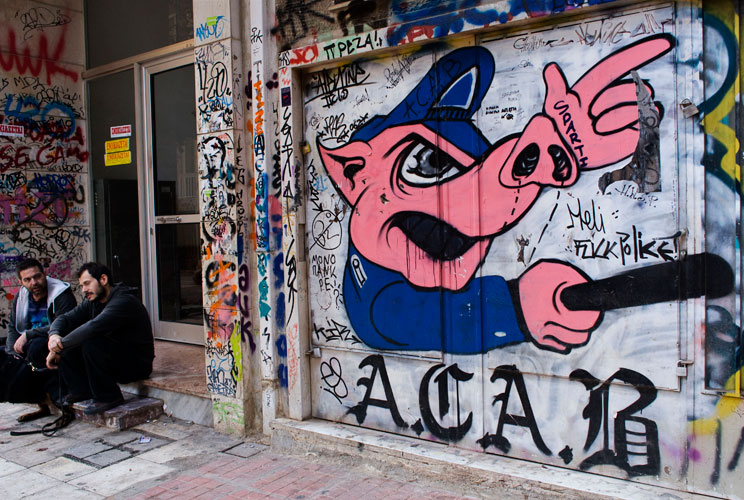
[[429, 195]]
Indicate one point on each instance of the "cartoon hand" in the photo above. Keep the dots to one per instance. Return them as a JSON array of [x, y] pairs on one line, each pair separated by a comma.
[[597, 116], [551, 324]]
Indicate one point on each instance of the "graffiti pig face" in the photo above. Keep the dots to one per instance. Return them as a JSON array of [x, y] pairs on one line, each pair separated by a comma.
[[426, 208]]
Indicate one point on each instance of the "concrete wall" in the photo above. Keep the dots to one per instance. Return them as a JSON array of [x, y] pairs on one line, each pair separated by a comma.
[[44, 190]]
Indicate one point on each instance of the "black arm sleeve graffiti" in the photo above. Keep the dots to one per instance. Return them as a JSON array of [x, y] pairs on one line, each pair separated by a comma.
[[697, 275]]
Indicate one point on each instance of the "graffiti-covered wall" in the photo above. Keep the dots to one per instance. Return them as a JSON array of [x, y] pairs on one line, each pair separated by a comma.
[[299, 23], [715, 427], [526, 243], [223, 208], [43, 143]]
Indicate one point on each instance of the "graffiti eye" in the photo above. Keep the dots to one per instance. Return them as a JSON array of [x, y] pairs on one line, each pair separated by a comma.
[[424, 165]]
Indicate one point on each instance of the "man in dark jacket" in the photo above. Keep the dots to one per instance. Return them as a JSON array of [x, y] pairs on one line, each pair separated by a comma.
[[105, 340], [40, 300]]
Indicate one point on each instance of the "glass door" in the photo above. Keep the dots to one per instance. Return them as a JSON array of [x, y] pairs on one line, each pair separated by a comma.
[[172, 200]]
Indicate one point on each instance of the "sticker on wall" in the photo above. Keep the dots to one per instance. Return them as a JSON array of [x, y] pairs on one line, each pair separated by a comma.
[[11, 130], [118, 158], [121, 131], [117, 145], [117, 152]]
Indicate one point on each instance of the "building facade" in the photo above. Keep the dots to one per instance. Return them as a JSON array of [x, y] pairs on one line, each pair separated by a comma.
[[509, 226]]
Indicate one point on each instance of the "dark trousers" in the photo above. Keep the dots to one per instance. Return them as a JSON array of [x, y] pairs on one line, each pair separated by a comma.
[[95, 367], [35, 351]]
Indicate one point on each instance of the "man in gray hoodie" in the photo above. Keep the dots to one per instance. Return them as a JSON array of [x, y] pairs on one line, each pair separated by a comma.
[[39, 301]]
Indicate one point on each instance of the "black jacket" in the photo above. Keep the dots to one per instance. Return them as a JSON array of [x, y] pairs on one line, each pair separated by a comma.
[[122, 318]]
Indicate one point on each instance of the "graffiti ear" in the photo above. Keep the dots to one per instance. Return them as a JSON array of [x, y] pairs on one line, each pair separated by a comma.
[[345, 166]]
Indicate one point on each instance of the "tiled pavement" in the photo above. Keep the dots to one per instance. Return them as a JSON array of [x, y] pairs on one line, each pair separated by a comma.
[[168, 459]]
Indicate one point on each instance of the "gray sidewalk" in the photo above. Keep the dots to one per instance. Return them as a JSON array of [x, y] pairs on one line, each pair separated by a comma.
[[168, 458]]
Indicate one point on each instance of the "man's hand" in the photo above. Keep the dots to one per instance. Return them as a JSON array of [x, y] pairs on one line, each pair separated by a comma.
[[55, 344], [18, 346], [552, 325], [52, 360]]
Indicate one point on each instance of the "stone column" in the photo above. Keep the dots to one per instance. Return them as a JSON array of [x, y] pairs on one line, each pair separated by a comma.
[[223, 208], [268, 229]]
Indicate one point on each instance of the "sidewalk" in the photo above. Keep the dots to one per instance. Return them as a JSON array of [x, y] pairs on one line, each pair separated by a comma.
[[169, 458]]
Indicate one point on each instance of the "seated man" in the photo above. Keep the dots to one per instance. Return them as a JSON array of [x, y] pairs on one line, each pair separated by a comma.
[[38, 303], [105, 340]]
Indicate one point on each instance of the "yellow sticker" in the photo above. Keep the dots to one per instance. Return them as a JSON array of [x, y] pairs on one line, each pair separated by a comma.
[[117, 145], [118, 158]]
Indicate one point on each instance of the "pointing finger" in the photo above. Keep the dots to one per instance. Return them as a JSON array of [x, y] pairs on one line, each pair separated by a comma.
[[620, 63], [556, 86]]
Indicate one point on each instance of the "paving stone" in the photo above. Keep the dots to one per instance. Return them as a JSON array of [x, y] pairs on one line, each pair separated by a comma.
[[174, 451], [168, 428], [86, 449], [119, 477], [121, 437], [8, 442], [10, 414], [64, 469], [26, 483], [83, 431], [67, 492], [208, 441], [108, 457], [246, 450], [144, 443], [40, 451], [7, 467]]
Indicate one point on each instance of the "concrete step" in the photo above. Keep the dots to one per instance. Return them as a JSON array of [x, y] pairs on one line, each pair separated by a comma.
[[134, 411], [196, 408]]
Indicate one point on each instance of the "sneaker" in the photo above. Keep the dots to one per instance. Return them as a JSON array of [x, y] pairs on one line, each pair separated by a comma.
[[96, 407]]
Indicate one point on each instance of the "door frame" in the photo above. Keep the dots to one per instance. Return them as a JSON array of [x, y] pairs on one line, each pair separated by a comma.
[[164, 330]]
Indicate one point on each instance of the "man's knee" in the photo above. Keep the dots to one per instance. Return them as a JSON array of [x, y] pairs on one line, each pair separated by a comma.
[[98, 348]]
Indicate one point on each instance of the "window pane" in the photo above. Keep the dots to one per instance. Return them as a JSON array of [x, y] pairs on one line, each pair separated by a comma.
[[111, 100], [174, 144], [118, 29]]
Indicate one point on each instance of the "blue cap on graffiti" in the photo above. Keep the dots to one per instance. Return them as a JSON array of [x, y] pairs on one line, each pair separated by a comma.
[[444, 100]]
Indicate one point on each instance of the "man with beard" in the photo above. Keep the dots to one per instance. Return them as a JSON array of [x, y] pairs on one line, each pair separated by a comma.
[[105, 340], [40, 300]]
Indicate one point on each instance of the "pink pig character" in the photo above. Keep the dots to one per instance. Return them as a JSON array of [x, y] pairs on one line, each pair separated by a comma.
[[415, 177]]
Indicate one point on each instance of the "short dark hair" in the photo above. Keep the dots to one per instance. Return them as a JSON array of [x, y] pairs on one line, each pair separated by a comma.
[[28, 263], [96, 270]]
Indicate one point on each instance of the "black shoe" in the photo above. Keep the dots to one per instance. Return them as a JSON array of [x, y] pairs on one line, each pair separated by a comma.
[[71, 399], [96, 407]]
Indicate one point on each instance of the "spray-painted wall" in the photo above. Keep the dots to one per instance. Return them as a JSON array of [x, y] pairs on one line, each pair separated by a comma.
[[508, 237], [44, 210], [224, 202], [299, 23]]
